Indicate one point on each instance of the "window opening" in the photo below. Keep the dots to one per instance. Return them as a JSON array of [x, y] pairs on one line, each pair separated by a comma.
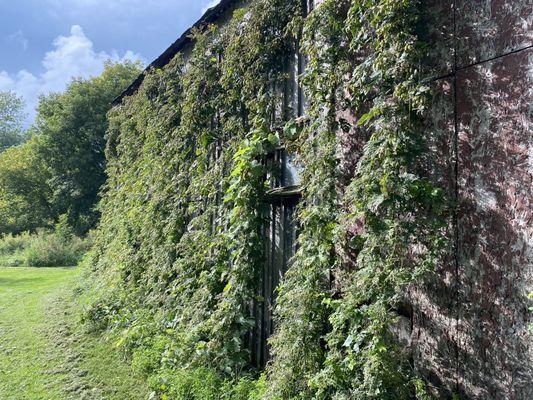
[[280, 235]]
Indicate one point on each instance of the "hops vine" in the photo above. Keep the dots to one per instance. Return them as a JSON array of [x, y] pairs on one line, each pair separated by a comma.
[[402, 214], [401, 210], [301, 313], [180, 246]]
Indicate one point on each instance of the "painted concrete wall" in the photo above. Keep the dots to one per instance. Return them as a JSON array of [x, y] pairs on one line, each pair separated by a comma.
[[470, 323]]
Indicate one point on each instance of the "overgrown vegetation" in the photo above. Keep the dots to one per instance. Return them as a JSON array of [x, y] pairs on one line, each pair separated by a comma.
[[61, 169], [179, 250], [44, 248], [401, 212], [11, 120]]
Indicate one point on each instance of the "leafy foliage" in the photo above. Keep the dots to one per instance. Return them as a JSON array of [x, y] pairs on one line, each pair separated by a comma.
[[57, 248], [302, 313], [180, 245], [24, 193], [61, 169], [72, 127], [11, 120], [207, 384], [401, 212]]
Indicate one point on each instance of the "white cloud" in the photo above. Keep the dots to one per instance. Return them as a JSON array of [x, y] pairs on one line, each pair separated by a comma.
[[72, 56], [19, 38]]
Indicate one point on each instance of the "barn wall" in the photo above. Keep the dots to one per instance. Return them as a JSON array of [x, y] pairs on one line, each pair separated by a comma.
[[468, 328], [470, 323]]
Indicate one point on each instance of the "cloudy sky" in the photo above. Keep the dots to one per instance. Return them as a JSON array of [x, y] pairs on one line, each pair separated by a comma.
[[44, 43]]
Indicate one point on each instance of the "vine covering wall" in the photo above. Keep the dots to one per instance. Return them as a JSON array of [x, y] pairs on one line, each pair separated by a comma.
[[180, 247]]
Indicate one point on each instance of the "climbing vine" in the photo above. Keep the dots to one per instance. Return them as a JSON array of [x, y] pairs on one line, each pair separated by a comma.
[[302, 314], [401, 212], [180, 247]]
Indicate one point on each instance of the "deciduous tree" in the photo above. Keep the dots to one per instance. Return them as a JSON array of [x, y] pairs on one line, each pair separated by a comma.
[[72, 127], [11, 120]]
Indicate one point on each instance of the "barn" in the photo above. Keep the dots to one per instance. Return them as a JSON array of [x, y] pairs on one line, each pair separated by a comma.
[[335, 196]]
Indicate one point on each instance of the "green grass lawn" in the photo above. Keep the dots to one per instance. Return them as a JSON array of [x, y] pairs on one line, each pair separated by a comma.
[[44, 354]]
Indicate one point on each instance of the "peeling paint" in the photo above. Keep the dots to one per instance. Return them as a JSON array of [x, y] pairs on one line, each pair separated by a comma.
[[470, 324]]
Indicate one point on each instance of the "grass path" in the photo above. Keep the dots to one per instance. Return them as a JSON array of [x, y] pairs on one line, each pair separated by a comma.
[[44, 355]]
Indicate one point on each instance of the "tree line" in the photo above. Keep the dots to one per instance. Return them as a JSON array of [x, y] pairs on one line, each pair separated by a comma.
[[56, 167]]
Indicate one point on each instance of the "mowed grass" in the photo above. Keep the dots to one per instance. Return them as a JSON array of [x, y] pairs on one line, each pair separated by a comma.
[[44, 354]]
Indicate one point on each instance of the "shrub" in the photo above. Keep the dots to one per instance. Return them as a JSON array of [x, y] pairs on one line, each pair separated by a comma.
[[12, 249], [54, 250], [10, 244], [14, 260], [205, 384], [42, 249]]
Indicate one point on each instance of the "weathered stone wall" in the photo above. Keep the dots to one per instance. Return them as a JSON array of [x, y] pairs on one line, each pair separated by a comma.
[[470, 323]]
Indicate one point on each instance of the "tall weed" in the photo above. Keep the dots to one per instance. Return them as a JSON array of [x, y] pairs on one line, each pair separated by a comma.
[[53, 250], [42, 249], [10, 244]]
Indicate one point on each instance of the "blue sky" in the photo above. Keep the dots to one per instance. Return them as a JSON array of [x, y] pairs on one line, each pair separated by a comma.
[[44, 43]]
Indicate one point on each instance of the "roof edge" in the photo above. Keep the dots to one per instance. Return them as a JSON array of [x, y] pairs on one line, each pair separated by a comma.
[[210, 16]]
